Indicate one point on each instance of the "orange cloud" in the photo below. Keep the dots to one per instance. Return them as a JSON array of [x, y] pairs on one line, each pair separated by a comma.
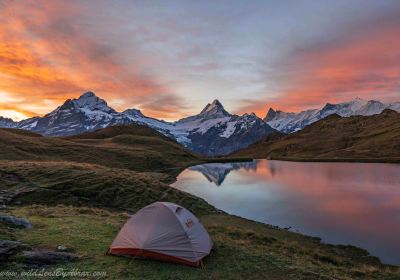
[[362, 61], [46, 55], [368, 67]]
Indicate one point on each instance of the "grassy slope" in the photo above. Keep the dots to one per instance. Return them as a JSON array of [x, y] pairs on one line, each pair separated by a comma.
[[243, 249], [359, 138], [78, 194], [131, 147]]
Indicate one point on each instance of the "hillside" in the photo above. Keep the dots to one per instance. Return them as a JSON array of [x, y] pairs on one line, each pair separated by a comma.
[[363, 138], [133, 147], [110, 167]]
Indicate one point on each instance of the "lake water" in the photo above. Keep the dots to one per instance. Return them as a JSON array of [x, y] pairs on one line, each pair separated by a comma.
[[343, 203]]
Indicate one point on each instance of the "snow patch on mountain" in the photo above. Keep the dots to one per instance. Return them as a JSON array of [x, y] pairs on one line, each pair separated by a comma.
[[230, 129], [292, 122]]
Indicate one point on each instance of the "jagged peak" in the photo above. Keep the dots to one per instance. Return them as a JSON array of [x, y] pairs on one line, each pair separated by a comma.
[[89, 97], [374, 102], [6, 119], [133, 113], [87, 94], [328, 106], [213, 108], [252, 114], [270, 115], [91, 101], [216, 103]]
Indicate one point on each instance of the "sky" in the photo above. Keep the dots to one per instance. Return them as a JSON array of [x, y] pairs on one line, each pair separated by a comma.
[[170, 58]]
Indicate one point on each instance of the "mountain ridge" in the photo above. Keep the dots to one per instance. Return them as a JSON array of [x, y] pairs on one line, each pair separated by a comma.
[[289, 122], [212, 132]]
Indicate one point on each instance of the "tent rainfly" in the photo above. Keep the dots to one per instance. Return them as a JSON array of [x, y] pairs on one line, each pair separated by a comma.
[[163, 231]]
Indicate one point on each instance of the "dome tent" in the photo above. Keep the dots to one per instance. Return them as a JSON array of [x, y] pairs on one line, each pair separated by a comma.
[[163, 231]]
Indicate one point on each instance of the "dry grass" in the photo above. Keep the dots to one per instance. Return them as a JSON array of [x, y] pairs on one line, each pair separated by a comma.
[[131, 147]]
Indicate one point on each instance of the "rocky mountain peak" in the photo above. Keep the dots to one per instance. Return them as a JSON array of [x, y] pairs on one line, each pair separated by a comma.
[[4, 119], [214, 108], [270, 115], [328, 106], [134, 113], [216, 103], [7, 122], [89, 100], [87, 94]]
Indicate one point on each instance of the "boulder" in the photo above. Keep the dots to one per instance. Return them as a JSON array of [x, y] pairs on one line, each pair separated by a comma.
[[18, 222], [46, 257]]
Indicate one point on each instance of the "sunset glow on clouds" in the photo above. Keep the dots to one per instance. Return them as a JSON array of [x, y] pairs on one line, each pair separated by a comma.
[[170, 59], [363, 63]]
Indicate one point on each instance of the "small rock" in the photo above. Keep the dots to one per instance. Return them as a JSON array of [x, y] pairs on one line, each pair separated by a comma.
[[62, 248], [44, 257], [20, 222]]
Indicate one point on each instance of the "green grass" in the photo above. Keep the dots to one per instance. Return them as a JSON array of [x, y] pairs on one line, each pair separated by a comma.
[[91, 185], [243, 249]]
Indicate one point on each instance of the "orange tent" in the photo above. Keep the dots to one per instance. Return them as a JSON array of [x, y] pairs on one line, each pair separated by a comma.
[[163, 231]]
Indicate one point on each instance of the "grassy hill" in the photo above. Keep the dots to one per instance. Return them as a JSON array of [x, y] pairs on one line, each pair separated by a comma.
[[132, 147], [78, 192], [356, 138]]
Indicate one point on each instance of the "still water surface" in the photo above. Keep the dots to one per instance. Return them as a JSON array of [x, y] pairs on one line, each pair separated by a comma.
[[343, 203]]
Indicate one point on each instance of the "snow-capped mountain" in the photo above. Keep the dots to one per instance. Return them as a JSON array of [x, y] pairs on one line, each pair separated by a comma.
[[75, 116], [216, 132], [291, 122], [212, 132]]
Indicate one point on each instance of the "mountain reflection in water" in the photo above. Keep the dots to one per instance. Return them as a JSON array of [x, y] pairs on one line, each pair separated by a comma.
[[217, 172], [346, 203]]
